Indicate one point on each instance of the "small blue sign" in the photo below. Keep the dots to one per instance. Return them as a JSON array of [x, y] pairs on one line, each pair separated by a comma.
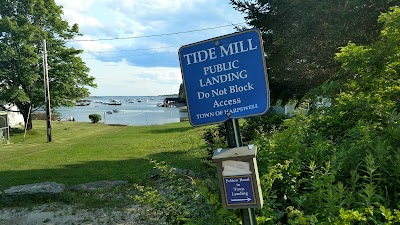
[[239, 190], [225, 78]]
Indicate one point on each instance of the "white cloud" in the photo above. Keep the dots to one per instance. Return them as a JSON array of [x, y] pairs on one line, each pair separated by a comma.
[[142, 8], [131, 27], [77, 12], [76, 5], [82, 20], [93, 46], [122, 79], [142, 66]]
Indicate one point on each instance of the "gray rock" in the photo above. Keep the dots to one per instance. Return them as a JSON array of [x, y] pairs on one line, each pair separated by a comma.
[[187, 172], [38, 188], [92, 186]]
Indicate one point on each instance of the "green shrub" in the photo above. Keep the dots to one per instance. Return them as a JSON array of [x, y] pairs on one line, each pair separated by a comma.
[[261, 125], [215, 137], [95, 118], [185, 199], [339, 164]]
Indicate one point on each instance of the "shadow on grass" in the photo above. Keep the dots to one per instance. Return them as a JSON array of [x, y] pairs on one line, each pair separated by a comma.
[[180, 159], [132, 170], [170, 130]]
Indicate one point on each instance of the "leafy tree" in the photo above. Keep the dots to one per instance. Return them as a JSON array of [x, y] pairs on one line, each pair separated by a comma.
[[341, 164], [95, 118], [24, 25], [182, 93], [303, 36]]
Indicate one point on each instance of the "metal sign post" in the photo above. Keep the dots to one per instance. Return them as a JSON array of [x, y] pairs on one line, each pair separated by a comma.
[[225, 78], [235, 140]]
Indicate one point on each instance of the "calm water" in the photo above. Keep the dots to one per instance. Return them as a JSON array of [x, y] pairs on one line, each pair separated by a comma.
[[138, 112]]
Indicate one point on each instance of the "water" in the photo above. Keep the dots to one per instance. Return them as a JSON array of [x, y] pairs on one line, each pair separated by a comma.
[[143, 111]]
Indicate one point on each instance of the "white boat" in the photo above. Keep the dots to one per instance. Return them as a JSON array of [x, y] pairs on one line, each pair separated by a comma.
[[114, 102], [129, 100], [82, 103]]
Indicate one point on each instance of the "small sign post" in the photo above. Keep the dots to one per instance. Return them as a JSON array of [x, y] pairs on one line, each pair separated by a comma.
[[239, 190], [238, 175]]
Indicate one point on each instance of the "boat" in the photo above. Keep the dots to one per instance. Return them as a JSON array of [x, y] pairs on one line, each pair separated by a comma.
[[82, 103], [114, 102], [109, 112], [130, 100]]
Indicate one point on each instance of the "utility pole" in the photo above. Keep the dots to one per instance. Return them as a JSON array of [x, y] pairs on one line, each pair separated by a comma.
[[46, 92]]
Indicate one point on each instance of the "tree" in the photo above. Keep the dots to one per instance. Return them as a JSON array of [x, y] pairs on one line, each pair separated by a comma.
[[340, 164], [24, 25], [302, 37], [95, 118], [182, 93]]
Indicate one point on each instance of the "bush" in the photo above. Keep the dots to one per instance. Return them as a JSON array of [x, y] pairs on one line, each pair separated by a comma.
[[95, 118], [340, 165], [260, 125], [215, 137], [184, 199]]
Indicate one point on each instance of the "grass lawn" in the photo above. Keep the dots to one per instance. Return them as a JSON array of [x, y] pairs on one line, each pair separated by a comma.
[[86, 152]]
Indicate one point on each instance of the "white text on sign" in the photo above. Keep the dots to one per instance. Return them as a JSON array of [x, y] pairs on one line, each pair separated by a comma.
[[209, 54]]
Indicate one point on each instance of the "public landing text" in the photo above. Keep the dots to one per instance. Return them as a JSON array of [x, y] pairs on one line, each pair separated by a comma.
[[220, 75]]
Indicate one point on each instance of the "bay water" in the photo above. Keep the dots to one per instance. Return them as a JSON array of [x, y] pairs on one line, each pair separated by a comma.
[[133, 111]]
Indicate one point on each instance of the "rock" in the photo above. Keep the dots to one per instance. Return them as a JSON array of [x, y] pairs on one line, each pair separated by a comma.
[[92, 186], [155, 174], [38, 188], [184, 172]]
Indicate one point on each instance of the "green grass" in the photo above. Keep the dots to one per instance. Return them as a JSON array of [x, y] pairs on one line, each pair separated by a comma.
[[85, 152]]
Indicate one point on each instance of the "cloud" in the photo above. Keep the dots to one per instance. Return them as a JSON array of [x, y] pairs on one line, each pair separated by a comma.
[[77, 6], [122, 79], [93, 47], [154, 8], [143, 58]]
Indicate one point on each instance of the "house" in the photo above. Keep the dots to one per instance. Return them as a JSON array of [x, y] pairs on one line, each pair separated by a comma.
[[15, 118]]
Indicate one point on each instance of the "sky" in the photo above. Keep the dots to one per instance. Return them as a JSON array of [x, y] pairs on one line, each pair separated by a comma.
[[131, 46]]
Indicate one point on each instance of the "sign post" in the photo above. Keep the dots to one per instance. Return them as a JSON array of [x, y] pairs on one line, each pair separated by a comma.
[[225, 78], [239, 180]]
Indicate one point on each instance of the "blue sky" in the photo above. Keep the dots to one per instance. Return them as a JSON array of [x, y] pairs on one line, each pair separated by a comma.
[[130, 45]]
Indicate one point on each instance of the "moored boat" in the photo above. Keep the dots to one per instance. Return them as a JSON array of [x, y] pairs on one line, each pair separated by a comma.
[[114, 102], [82, 103]]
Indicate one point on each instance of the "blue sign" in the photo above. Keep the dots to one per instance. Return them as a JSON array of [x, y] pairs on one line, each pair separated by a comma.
[[239, 190], [225, 77]]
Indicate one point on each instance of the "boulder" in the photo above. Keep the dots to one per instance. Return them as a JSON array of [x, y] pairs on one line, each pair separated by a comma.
[[38, 188], [92, 186]]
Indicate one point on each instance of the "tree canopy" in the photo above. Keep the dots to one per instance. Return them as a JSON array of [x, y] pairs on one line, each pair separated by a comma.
[[340, 164], [24, 25], [302, 37]]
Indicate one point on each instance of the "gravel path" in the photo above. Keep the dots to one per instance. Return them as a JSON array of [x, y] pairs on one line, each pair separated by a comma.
[[116, 193], [65, 214]]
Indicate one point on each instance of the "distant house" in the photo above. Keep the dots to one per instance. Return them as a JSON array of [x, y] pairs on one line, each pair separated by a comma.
[[287, 109], [172, 102], [15, 118], [290, 108]]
